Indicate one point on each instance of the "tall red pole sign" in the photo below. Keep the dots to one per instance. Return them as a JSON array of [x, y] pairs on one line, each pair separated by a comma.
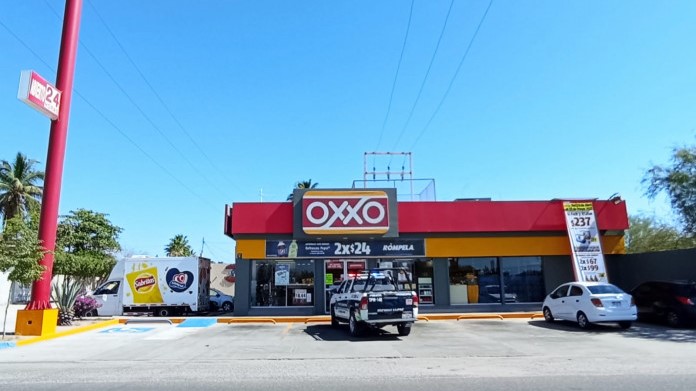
[[56, 104]]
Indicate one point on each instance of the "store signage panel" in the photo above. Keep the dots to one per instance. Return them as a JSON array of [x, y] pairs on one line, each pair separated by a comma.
[[345, 212], [347, 249], [586, 249], [38, 93]]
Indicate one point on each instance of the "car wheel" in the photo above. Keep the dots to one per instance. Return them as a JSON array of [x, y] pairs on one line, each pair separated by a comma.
[[673, 319], [90, 313], [583, 322], [354, 326], [227, 306], [625, 325], [404, 329], [548, 316], [162, 312], [334, 321]]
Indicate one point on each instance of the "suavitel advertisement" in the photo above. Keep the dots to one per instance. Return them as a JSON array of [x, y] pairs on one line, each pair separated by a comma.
[[586, 249]]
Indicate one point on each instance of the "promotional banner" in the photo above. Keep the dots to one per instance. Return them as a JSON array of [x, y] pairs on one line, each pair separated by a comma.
[[345, 249], [588, 260]]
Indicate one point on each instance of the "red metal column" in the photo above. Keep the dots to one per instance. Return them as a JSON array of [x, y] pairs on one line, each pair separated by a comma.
[[41, 290]]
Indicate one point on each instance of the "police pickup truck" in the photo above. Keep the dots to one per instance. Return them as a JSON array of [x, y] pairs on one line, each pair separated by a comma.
[[373, 299]]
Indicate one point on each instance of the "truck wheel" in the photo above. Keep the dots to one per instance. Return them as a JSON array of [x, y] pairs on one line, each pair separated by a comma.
[[404, 329], [334, 321], [354, 326], [162, 312]]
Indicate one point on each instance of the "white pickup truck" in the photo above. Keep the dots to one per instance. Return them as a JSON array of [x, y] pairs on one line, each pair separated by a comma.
[[373, 299]]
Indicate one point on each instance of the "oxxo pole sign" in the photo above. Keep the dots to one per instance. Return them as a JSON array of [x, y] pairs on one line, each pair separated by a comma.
[[38, 93]]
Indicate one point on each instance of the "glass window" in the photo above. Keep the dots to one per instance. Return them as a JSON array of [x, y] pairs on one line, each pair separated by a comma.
[[601, 289], [109, 288], [472, 278], [282, 283], [524, 279], [562, 291], [575, 291]]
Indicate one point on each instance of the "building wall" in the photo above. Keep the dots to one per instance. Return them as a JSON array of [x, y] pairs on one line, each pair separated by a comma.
[[218, 272], [627, 271]]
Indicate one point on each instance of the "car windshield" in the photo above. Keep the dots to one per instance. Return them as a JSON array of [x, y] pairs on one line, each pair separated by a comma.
[[600, 289]]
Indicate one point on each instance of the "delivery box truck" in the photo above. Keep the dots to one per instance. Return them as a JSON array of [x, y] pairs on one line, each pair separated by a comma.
[[160, 286]]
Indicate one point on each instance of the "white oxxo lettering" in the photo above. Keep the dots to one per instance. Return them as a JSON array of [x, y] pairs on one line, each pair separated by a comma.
[[345, 213]]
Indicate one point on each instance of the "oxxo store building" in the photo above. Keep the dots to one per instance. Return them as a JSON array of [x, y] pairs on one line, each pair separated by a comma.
[[462, 256]]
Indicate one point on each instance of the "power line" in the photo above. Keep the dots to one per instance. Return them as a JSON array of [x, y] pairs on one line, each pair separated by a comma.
[[101, 114], [142, 112], [427, 74], [159, 98], [454, 77], [396, 75]]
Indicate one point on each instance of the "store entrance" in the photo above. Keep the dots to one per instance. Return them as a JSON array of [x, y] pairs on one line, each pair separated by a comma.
[[335, 271]]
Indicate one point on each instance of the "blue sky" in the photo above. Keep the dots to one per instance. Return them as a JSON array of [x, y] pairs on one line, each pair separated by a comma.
[[554, 99]]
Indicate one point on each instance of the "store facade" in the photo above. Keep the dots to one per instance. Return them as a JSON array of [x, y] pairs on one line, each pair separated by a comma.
[[461, 256]]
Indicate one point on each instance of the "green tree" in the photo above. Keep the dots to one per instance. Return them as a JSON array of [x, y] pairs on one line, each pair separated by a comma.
[[179, 247], [678, 181], [645, 234], [20, 186], [20, 252], [303, 185], [85, 247]]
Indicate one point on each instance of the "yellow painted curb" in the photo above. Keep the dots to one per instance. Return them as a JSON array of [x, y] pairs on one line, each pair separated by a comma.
[[249, 320], [480, 316], [77, 330], [317, 320]]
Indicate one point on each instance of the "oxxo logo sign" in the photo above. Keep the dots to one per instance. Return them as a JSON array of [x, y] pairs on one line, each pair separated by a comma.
[[345, 212]]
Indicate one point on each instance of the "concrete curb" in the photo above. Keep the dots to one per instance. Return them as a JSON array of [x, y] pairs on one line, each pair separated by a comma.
[[66, 333]]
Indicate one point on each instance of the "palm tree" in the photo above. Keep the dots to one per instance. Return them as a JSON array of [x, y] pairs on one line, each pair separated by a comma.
[[179, 247], [303, 185], [20, 186]]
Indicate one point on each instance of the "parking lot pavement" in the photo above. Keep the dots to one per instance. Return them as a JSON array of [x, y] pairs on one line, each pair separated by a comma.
[[492, 338], [297, 353]]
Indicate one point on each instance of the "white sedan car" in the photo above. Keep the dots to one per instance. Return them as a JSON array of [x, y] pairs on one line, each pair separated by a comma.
[[590, 302]]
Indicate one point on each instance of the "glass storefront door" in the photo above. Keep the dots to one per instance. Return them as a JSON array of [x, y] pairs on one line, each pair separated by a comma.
[[335, 271]]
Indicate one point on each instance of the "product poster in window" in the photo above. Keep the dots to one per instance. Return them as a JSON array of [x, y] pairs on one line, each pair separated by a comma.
[[282, 274], [588, 260]]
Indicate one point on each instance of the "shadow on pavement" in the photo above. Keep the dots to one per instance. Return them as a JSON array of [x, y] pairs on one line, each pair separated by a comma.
[[341, 333], [638, 330]]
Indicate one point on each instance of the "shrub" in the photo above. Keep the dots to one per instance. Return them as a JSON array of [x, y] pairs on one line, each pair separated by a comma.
[[84, 304]]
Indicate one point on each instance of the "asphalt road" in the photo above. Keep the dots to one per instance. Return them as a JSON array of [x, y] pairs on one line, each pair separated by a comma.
[[442, 355]]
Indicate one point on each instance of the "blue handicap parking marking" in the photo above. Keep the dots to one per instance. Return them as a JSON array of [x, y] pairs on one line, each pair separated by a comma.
[[127, 330], [198, 322]]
